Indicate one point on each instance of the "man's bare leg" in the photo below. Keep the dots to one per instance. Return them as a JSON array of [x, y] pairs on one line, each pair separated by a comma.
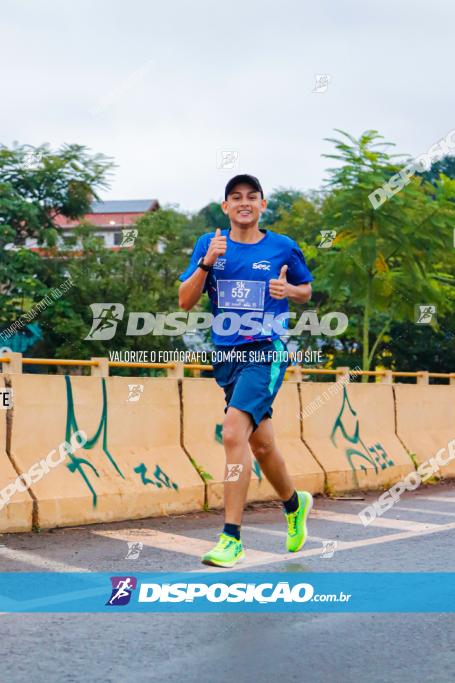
[[237, 435], [297, 505], [266, 452], [237, 429]]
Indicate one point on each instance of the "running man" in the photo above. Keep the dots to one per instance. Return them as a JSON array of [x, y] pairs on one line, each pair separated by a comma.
[[245, 269], [123, 589], [105, 320]]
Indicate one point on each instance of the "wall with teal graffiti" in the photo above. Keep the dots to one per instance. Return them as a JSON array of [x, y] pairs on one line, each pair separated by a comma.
[[356, 450], [86, 469]]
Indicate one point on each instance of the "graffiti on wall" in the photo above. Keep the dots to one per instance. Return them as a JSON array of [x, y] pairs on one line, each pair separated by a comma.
[[219, 433], [356, 451], [84, 467], [160, 477]]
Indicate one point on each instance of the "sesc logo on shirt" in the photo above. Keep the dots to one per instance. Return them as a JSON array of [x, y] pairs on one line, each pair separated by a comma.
[[261, 265], [219, 263]]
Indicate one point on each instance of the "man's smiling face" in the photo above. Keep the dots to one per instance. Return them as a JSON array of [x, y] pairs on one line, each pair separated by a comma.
[[244, 205]]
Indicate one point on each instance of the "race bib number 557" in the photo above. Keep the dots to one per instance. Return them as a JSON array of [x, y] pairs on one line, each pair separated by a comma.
[[241, 294]]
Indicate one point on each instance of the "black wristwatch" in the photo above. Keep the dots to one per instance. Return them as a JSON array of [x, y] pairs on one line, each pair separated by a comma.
[[201, 264]]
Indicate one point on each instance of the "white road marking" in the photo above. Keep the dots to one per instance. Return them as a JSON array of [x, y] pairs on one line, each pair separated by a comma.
[[38, 561], [261, 530], [352, 545], [254, 558], [444, 499], [186, 545], [196, 547], [424, 511], [273, 532], [347, 518]]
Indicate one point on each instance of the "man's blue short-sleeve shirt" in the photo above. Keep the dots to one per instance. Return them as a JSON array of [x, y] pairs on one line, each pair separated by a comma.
[[238, 281]]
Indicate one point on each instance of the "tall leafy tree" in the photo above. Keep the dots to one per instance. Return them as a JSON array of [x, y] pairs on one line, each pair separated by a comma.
[[143, 278], [36, 184], [279, 203], [445, 166], [387, 260], [210, 217], [384, 261]]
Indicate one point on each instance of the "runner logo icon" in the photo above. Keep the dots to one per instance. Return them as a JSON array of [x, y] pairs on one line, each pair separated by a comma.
[[122, 587], [105, 320]]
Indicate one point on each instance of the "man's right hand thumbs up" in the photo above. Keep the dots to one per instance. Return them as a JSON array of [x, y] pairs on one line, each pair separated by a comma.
[[217, 247], [278, 287]]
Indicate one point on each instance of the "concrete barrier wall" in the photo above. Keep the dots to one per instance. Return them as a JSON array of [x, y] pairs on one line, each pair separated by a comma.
[[351, 430], [305, 472], [16, 515], [203, 414], [132, 466], [426, 420]]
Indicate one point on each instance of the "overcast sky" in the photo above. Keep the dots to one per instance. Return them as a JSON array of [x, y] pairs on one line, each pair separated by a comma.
[[166, 87]]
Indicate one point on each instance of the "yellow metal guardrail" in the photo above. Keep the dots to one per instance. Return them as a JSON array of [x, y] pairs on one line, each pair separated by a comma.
[[196, 368]]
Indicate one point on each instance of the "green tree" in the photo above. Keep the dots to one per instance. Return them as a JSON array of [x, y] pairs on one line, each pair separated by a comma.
[[210, 217], [384, 261], [445, 166], [36, 184], [411, 347], [279, 203], [414, 347], [143, 278]]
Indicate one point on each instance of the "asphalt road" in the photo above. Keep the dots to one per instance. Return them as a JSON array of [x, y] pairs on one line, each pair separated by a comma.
[[418, 534]]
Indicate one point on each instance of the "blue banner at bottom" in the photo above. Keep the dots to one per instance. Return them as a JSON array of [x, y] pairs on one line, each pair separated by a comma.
[[227, 592]]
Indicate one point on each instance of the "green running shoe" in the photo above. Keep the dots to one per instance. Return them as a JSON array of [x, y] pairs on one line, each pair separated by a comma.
[[226, 553], [297, 531]]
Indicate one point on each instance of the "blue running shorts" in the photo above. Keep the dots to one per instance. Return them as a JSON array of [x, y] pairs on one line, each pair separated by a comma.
[[251, 375]]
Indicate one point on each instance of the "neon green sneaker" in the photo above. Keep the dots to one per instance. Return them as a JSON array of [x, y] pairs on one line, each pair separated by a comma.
[[297, 531], [226, 553]]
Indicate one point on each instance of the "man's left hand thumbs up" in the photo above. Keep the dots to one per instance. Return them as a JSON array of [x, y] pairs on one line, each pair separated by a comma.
[[283, 272], [278, 288]]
